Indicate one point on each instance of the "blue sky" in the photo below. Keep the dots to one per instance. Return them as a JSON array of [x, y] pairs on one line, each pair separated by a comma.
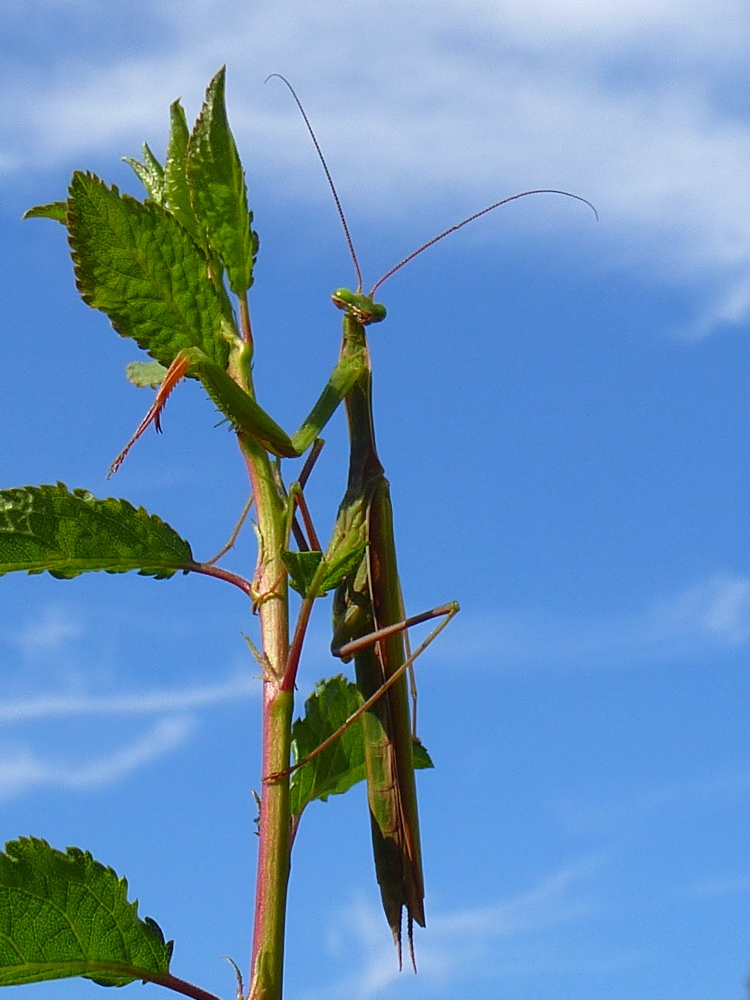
[[562, 409]]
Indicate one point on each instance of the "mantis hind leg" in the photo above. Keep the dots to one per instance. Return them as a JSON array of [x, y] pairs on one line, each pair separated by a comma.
[[345, 651]]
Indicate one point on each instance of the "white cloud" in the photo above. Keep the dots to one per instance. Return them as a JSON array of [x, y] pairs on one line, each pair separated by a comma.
[[24, 770], [709, 617], [584, 818], [419, 103], [146, 703], [716, 886], [470, 943], [51, 632], [557, 899], [688, 26]]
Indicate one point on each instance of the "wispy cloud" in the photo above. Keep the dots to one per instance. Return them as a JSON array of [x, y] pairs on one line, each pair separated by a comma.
[[48, 634], [624, 102], [716, 886], [144, 703], [471, 943], [712, 616], [631, 810], [25, 770]]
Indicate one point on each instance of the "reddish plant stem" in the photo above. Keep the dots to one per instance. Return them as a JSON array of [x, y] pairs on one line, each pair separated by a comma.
[[247, 332], [208, 569], [271, 596], [171, 982], [295, 650]]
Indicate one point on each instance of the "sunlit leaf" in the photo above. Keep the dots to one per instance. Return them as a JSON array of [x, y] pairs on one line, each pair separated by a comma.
[[138, 265], [64, 914], [342, 764], [219, 194], [71, 532], [57, 210], [150, 173]]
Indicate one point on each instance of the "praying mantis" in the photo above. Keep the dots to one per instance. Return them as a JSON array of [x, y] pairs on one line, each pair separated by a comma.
[[367, 601], [368, 614]]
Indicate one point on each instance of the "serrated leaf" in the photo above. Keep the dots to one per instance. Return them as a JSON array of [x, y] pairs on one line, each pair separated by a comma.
[[65, 914], [69, 532], [302, 567], [420, 757], [219, 194], [339, 766], [138, 265], [57, 210], [150, 173], [176, 188], [145, 374]]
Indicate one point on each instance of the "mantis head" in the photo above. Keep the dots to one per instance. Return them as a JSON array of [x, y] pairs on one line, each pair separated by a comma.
[[360, 307]]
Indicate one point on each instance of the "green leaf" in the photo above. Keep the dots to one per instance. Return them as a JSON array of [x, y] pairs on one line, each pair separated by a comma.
[[420, 757], [219, 195], [145, 373], [57, 210], [150, 173], [302, 568], [69, 533], [65, 915], [138, 265], [176, 188], [339, 766]]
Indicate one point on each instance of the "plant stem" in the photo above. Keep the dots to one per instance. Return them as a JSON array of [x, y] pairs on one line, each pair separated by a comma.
[[270, 585], [208, 569], [171, 982]]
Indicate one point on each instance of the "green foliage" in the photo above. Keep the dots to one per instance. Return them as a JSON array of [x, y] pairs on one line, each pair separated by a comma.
[[155, 268], [302, 567], [145, 373], [69, 533], [57, 210], [67, 915], [137, 264], [421, 758], [150, 173], [341, 765], [217, 187], [176, 188]]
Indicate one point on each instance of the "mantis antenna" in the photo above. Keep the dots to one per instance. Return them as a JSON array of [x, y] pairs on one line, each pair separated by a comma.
[[435, 239], [331, 185], [471, 218]]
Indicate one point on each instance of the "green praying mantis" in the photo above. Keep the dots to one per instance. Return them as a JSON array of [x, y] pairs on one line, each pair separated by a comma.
[[359, 564], [368, 611]]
